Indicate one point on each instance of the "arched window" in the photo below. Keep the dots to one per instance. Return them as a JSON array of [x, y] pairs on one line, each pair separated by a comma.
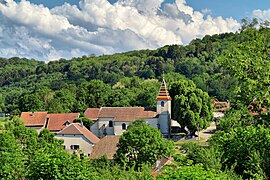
[[162, 103], [110, 124], [124, 126]]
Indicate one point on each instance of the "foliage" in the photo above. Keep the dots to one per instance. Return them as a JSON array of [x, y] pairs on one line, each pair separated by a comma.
[[246, 148], [86, 122], [195, 172], [137, 123], [142, 145], [192, 107]]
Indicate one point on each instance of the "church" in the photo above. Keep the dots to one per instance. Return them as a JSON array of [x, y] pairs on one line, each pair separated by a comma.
[[115, 120]]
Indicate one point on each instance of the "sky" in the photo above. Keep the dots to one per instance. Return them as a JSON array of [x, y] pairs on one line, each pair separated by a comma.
[[48, 30]]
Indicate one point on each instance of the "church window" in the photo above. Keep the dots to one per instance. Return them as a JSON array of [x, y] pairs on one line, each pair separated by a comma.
[[162, 103], [110, 124], [124, 126]]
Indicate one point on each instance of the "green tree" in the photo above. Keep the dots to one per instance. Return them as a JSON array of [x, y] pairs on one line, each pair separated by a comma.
[[142, 145], [246, 148], [11, 157], [195, 172], [86, 122], [192, 107], [137, 123], [248, 61]]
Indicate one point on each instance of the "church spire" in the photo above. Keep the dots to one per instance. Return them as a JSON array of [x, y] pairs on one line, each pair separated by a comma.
[[163, 92]]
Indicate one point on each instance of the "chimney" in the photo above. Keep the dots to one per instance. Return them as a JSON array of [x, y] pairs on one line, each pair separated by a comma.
[[81, 124]]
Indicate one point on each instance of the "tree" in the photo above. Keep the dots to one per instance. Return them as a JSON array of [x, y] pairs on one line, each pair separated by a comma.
[[142, 145], [248, 61], [137, 123], [196, 172], [246, 148], [192, 107], [86, 122]]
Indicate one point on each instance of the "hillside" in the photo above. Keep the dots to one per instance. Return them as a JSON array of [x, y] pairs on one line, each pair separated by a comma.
[[125, 79]]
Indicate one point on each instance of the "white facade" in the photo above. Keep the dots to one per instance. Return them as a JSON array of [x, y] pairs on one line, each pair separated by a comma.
[[101, 127], [84, 144], [164, 118]]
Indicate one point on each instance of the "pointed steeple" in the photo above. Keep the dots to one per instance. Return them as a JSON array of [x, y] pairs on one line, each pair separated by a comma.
[[163, 92]]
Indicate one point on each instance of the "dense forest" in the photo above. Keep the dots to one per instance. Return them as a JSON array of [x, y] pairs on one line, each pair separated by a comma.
[[230, 66]]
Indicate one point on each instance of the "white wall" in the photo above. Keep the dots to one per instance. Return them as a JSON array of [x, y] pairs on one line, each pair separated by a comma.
[[164, 110], [85, 145]]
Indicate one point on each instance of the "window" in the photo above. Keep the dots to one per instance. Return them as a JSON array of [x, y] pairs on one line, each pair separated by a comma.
[[162, 103], [124, 126], [110, 124], [74, 147]]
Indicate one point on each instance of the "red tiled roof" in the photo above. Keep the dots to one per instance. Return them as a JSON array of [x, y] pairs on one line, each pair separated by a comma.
[[77, 129], [34, 119], [106, 146], [163, 92], [220, 106], [57, 121], [126, 113], [92, 113]]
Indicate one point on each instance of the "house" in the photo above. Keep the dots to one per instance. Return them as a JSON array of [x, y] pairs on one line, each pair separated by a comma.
[[53, 122], [107, 146], [77, 137], [57, 122], [34, 120], [115, 120]]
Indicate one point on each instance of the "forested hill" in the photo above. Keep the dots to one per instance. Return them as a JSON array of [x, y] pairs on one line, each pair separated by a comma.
[[131, 78]]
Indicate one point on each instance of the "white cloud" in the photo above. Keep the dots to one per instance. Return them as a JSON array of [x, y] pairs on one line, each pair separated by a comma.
[[262, 15], [98, 27]]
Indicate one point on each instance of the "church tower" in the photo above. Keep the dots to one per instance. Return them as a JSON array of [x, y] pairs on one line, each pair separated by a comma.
[[164, 109]]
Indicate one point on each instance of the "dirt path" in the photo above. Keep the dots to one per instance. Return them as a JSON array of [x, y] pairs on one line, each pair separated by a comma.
[[208, 132]]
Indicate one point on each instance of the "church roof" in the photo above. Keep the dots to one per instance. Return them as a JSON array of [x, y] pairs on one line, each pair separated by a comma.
[[126, 113], [78, 129], [92, 113], [163, 92]]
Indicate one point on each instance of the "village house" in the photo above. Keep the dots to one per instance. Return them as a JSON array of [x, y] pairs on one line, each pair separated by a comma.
[[52, 122], [115, 120], [77, 137]]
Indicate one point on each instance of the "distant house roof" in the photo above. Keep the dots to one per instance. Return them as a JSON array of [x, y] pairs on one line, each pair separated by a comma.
[[126, 113], [56, 122], [34, 118], [107, 146], [78, 129], [92, 113], [163, 92], [220, 106]]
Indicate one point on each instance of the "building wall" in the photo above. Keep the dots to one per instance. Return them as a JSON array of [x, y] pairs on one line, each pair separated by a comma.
[[164, 116], [85, 145], [118, 127], [94, 129], [38, 129], [164, 110]]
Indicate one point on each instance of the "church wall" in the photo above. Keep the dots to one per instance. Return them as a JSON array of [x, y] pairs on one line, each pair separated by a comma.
[[152, 122], [118, 127], [94, 129], [105, 121]]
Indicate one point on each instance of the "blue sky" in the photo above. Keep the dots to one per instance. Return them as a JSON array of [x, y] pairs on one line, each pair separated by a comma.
[[60, 30], [238, 9]]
